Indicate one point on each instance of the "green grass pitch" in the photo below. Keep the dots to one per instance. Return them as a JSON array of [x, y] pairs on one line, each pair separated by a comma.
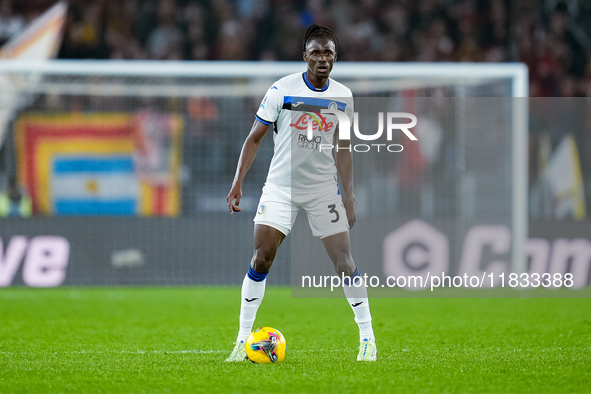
[[173, 340]]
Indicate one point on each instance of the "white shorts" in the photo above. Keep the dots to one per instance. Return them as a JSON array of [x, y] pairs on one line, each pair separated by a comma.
[[325, 210]]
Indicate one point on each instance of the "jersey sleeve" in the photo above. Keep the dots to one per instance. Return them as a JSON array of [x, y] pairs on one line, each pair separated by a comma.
[[349, 109], [270, 106]]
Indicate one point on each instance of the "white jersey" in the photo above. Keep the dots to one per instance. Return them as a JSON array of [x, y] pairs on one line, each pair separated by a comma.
[[300, 164]]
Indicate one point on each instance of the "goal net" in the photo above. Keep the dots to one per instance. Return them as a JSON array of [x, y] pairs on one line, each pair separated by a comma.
[[131, 162]]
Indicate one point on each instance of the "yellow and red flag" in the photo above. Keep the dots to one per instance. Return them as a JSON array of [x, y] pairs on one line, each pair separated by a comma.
[[100, 164]]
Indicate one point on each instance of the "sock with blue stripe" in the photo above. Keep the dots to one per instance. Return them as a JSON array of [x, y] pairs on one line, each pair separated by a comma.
[[253, 290], [357, 297]]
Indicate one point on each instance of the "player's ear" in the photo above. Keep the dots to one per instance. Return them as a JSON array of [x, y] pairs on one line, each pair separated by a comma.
[[305, 56], [335, 57]]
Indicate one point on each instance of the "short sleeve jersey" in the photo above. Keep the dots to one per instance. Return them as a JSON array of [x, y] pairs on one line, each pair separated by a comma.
[[301, 164]]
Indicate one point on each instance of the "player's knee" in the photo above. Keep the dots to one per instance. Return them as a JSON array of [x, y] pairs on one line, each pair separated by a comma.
[[344, 264], [346, 269], [262, 260]]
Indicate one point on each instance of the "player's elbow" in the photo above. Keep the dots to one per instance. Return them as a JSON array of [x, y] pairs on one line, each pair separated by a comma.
[[344, 156], [252, 140]]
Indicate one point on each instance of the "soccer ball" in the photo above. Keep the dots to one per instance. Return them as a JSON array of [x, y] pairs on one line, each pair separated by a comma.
[[265, 345]]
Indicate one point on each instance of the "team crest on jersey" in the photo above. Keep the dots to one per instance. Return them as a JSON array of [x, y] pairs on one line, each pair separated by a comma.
[[262, 209], [333, 105]]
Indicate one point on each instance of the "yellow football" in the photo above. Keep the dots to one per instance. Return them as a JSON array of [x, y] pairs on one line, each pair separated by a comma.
[[265, 345]]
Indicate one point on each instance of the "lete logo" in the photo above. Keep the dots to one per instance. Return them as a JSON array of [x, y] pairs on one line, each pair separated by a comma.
[[45, 260], [312, 121]]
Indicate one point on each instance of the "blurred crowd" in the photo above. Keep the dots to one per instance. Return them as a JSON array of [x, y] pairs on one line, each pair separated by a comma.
[[551, 36]]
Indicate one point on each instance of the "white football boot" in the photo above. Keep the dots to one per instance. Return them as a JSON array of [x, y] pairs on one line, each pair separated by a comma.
[[367, 351], [239, 352]]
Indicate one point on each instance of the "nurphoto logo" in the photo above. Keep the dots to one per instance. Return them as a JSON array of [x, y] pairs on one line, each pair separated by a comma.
[[345, 130]]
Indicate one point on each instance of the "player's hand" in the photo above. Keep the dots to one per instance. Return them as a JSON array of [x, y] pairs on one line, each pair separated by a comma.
[[350, 209], [234, 197]]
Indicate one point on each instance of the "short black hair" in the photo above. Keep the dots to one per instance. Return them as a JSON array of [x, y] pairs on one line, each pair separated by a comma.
[[319, 31]]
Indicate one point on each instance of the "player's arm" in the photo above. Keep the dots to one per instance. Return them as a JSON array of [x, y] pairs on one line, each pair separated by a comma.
[[344, 162], [249, 151]]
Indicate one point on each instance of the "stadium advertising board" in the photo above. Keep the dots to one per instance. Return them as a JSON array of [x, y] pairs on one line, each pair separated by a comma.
[[44, 260], [107, 251], [434, 257], [418, 248]]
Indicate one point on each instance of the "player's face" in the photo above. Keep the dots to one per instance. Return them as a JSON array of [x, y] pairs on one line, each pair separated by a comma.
[[320, 55]]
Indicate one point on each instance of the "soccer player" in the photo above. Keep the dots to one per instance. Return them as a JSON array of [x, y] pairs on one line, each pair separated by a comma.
[[303, 174]]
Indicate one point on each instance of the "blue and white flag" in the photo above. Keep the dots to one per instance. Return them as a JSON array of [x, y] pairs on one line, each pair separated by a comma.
[[94, 185]]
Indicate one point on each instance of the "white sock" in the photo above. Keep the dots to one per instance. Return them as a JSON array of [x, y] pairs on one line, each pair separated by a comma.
[[357, 297], [252, 295]]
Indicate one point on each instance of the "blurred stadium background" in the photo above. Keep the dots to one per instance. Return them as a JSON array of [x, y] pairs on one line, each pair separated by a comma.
[[116, 172]]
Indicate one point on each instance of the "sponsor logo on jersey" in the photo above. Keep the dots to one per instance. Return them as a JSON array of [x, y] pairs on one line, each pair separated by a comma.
[[262, 209], [309, 143], [317, 121]]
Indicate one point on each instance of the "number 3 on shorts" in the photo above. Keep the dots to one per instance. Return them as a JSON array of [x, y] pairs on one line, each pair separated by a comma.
[[333, 209]]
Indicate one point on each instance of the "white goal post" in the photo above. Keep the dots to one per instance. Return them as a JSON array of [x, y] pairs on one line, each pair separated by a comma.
[[21, 81]]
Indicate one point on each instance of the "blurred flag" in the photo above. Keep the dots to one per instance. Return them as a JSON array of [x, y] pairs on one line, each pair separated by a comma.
[[75, 164], [563, 174], [94, 185], [413, 163], [39, 41]]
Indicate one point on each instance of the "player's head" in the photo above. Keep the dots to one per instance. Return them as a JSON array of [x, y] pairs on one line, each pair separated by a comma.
[[320, 50]]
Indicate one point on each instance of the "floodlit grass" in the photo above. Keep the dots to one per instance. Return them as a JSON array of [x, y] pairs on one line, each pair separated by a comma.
[[176, 339]]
